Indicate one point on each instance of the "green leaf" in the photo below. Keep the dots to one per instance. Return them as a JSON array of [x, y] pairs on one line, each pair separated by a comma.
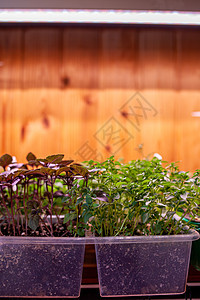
[[5, 160], [33, 221], [79, 200], [157, 229], [88, 199], [171, 213], [81, 182], [87, 216], [69, 217], [65, 199], [145, 217]]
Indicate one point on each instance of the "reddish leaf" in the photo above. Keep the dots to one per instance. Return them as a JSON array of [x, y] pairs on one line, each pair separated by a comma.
[[55, 159], [47, 171], [5, 160], [42, 161], [36, 172], [65, 163], [30, 157], [61, 170], [79, 169]]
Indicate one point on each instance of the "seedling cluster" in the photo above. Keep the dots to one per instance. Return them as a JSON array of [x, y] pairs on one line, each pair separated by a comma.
[[141, 197], [57, 197], [34, 196]]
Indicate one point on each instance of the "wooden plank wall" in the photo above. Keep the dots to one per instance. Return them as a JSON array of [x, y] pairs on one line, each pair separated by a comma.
[[90, 92]]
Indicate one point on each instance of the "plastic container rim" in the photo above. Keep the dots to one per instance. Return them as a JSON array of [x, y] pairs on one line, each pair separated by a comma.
[[194, 235]]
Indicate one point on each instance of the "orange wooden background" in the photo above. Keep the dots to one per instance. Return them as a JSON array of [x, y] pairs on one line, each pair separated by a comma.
[[89, 92]]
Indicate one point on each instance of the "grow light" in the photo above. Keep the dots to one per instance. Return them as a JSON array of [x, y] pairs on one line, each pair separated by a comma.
[[99, 16], [196, 114]]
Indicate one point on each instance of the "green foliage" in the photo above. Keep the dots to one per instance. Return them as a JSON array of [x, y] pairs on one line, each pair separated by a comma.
[[140, 198]]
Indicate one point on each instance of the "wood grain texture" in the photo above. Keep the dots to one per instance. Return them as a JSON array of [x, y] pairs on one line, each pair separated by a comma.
[[42, 58], [11, 56], [90, 92], [80, 67]]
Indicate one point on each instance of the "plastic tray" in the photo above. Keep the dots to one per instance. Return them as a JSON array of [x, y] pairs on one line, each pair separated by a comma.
[[143, 266], [52, 267], [40, 267]]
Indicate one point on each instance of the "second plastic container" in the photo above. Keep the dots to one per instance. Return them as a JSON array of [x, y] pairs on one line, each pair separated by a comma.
[[156, 265]]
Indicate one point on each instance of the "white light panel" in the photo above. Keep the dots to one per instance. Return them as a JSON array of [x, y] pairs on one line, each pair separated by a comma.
[[196, 114], [99, 16]]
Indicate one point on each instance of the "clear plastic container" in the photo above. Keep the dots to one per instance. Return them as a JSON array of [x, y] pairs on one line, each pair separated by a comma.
[[127, 266], [41, 267], [143, 266]]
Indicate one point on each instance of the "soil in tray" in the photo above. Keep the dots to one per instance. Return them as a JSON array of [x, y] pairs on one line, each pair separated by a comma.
[[40, 270]]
